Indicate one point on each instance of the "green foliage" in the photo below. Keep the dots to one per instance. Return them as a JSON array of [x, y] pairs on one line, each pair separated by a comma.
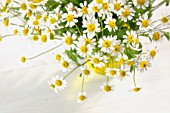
[[131, 53], [51, 5], [167, 35], [71, 56]]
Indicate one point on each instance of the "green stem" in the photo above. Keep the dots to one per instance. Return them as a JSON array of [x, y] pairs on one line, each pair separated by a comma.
[[45, 52], [134, 79], [82, 86], [78, 29], [107, 79], [157, 6], [7, 35]]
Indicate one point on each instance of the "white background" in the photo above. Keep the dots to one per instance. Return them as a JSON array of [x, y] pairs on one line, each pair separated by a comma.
[[24, 88]]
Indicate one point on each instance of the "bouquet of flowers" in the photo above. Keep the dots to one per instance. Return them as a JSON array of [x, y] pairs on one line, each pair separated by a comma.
[[102, 36]]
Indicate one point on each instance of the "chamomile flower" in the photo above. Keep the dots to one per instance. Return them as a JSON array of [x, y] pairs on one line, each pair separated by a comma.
[[141, 4], [105, 10], [153, 52], [82, 97], [86, 72], [69, 40], [111, 72], [117, 7], [165, 20], [59, 14], [107, 88], [124, 72], [52, 86], [58, 57], [127, 13], [66, 64], [83, 11], [94, 8], [84, 50], [98, 60], [87, 40], [129, 37], [92, 26], [143, 64], [117, 48], [110, 24], [58, 83], [105, 43], [72, 9], [122, 59], [144, 22], [156, 35], [70, 19]]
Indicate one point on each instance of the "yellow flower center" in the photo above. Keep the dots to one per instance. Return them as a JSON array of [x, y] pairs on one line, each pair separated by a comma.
[[117, 6], [116, 48], [51, 36], [86, 72], [35, 22], [122, 61], [136, 41], [105, 6], [156, 36], [106, 44], [126, 13], [96, 61], [25, 31], [112, 24], [99, 1], [38, 17], [82, 97], [95, 9], [15, 32], [143, 64], [130, 38], [164, 19], [29, 13], [52, 86], [58, 57], [44, 38], [141, 2], [87, 41], [112, 72], [84, 10], [68, 40], [23, 6], [91, 27], [35, 38], [122, 73], [59, 16], [137, 89], [69, 18], [145, 23], [65, 64], [107, 88], [83, 49], [23, 59], [4, 9], [37, 1], [131, 63], [58, 83], [32, 6], [52, 20], [6, 22], [8, 1], [45, 18], [153, 53]]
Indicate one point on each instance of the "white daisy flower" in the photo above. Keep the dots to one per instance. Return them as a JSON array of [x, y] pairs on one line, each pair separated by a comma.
[[94, 8], [127, 13], [105, 10], [105, 43], [110, 24], [84, 50], [59, 83], [52, 86], [69, 40], [144, 22], [70, 19], [66, 64], [111, 72], [165, 20], [117, 48], [98, 60], [86, 72], [83, 11], [129, 37], [124, 72], [59, 14], [122, 59], [87, 40], [156, 35], [107, 88], [82, 97], [92, 26], [117, 6], [141, 4], [71, 8], [143, 64], [152, 53]]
